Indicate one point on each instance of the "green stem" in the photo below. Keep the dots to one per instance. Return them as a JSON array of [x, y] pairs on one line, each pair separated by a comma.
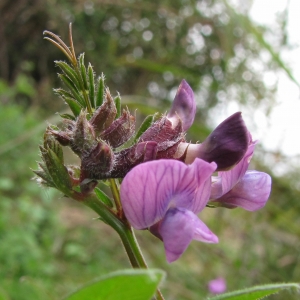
[[125, 232], [116, 194]]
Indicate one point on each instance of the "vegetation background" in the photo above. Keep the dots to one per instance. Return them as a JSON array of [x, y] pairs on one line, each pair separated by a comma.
[[50, 245]]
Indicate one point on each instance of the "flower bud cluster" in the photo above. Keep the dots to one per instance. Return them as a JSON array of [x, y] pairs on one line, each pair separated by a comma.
[[95, 139], [99, 139]]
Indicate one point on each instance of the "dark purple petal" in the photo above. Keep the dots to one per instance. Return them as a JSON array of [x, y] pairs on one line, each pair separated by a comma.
[[250, 193], [149, 189], [226, 145], [178, 228], [184, 106], [217, 286]]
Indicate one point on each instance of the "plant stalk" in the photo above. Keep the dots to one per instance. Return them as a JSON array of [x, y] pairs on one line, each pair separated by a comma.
[[125, 232]]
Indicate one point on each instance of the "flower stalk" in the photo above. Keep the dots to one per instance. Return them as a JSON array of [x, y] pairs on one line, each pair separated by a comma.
[[124, 230], [116, 195]]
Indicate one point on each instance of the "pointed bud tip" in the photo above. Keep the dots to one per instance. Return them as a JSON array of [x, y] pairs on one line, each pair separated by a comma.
[[184, 106]]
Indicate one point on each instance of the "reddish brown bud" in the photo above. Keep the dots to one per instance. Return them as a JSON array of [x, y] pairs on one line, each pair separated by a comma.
[[83, 135], [128, 158], [120, 131], [98, 162], [162, 131], [167, 137], [105, 114], [64, 138]]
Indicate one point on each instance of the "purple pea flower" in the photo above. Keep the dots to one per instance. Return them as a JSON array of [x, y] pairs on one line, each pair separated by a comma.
[[217, 286], [165, 196], [239, 187]]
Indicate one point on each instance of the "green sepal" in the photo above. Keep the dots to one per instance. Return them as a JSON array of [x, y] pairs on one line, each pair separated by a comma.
[[44, 175], [74, 91], [118, 105], [103, 197], [100, 91], [58, 172], [91, 85], [148, 121], [69, 72], [51, 143], [68, 116], [63, 93], [83, 70], [74, 106]]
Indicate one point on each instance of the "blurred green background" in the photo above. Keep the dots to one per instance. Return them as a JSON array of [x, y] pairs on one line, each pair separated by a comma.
[[50, 245]]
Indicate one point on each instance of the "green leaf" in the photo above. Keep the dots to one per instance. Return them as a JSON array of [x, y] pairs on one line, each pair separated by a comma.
[[144, 126], [256, 292], [118, 105], [74, 106], [91, 85], [68, 116], [103, 197], [83, 70], [44, 175], [100, 92], [130, 284], [63, 93], [69, 72], [66, 80], [51, 143], [57, 171]]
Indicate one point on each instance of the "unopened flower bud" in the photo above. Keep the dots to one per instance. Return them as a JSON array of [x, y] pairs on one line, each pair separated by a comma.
[[183, 107], [83, 135], [65, 135], [98, 161], [120, 131], [128, 158], [105, 114]]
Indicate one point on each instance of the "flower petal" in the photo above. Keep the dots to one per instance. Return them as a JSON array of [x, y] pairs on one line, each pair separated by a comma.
[[250, 193], [226, 145], [178, 228], [149, 189], [227, 179], [197, 181], [217, 286], [184, 106]]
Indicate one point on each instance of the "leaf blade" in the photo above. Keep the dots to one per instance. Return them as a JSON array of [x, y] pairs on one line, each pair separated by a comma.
[[133, 284], [256, 292]]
